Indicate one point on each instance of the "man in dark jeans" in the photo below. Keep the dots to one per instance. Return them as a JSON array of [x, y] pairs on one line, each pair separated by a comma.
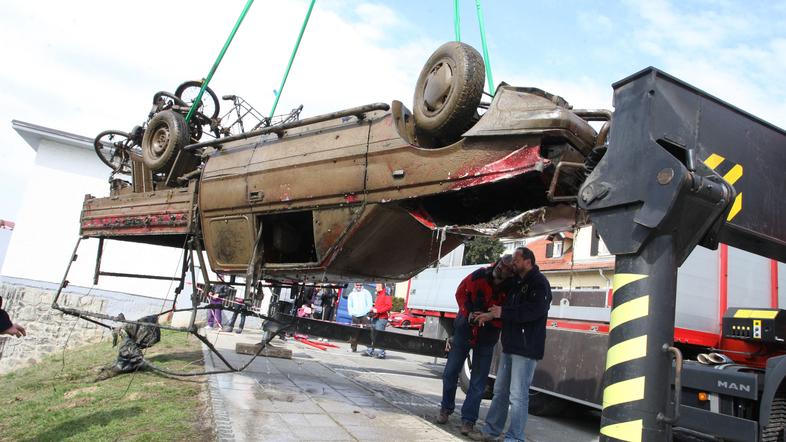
[[523, 317], [477, 293], [329, 297]]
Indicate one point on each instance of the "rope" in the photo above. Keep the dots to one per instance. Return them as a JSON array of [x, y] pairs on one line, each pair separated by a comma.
[[291, 58], [485, 47], [163, 304], [198, 98], [456, 20]]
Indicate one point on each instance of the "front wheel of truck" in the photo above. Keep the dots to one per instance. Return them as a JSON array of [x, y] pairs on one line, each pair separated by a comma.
[[774, 431]]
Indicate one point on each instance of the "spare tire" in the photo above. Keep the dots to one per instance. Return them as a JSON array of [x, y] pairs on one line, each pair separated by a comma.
[[447, 94], [166, 133]]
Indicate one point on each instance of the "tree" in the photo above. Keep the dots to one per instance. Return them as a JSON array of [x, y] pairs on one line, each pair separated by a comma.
[[482, 250]]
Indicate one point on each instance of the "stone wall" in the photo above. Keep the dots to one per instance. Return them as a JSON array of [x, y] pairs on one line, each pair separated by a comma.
[[49, 330]]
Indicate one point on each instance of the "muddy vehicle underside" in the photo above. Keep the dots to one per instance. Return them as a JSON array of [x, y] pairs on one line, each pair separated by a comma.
[[362, 193]]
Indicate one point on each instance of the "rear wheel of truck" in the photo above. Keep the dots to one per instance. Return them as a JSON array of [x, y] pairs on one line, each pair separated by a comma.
[[447, 94], [166, 133], [774, 431], [466, 373]]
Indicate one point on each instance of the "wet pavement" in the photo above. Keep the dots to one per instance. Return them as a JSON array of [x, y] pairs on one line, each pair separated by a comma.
[[340, 395]]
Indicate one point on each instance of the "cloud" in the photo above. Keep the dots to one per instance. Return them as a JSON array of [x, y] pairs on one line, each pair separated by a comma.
[[88, 66], [595, 22], [728, 49]]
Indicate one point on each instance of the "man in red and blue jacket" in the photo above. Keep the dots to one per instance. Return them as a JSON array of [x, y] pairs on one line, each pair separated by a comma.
[[476, 294]]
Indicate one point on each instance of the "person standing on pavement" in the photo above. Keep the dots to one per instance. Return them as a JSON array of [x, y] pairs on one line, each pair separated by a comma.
[[477, 293], [379, 320], [359, 304], [523, 318], [329, 298]]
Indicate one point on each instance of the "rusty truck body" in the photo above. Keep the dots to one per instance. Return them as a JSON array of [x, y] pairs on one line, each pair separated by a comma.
[[331, 196]]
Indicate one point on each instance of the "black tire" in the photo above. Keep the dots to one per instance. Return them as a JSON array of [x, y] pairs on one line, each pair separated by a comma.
[[464, 377], [166, 133], [169, 99], [447, 94], [195, 130], [543, 404], [189, 90], [774, 431], [113, 147], [405, 324]]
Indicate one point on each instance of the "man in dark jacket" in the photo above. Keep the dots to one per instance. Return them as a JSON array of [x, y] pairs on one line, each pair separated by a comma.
[[523, 338], [479, 291]]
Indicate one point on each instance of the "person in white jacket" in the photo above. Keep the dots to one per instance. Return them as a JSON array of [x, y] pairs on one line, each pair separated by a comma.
[[359, 303]]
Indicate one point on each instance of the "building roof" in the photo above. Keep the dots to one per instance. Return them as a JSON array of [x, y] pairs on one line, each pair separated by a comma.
[[33, 134], [566, 261]]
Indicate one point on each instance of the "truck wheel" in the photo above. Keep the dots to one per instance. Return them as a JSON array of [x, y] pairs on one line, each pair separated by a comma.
[[464, 377], [774, 431], [447, 94], [166, 133], [543, 404], [405, 324]]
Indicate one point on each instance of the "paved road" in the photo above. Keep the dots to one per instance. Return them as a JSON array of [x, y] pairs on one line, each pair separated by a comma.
[[340, 395]]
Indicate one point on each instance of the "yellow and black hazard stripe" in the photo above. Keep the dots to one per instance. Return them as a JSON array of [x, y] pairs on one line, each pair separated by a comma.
[[731, 172], [624, 378]]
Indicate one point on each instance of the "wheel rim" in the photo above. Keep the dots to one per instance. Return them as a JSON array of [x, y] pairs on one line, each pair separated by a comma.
[[160, 140], [439, 84], [468, 365]]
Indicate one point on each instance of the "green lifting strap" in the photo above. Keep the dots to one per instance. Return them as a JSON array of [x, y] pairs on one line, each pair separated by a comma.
[[485, 48], [456, 20], [292, 58], [198, 98]]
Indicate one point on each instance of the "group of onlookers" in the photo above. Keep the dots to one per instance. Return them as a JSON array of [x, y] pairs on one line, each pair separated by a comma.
[[365, 311]]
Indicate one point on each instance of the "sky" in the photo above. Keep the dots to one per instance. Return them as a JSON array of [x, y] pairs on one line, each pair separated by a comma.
[[87, 66]]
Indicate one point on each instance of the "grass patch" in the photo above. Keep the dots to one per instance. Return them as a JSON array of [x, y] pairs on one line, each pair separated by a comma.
[[52, 401]]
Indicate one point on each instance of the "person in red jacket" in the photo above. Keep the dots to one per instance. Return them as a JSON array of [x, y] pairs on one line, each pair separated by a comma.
[[379, 320], [477, 293]]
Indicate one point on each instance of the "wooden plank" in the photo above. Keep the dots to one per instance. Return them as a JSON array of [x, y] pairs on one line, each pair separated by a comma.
[[270, 350]]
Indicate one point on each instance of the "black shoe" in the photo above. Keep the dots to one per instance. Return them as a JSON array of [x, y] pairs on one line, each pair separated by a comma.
[[443, 417]]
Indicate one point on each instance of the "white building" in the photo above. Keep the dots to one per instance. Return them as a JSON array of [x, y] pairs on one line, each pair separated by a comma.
[[67, 168]]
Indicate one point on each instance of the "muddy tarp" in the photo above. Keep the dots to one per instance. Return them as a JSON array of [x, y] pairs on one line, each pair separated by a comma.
[[135, 338]]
